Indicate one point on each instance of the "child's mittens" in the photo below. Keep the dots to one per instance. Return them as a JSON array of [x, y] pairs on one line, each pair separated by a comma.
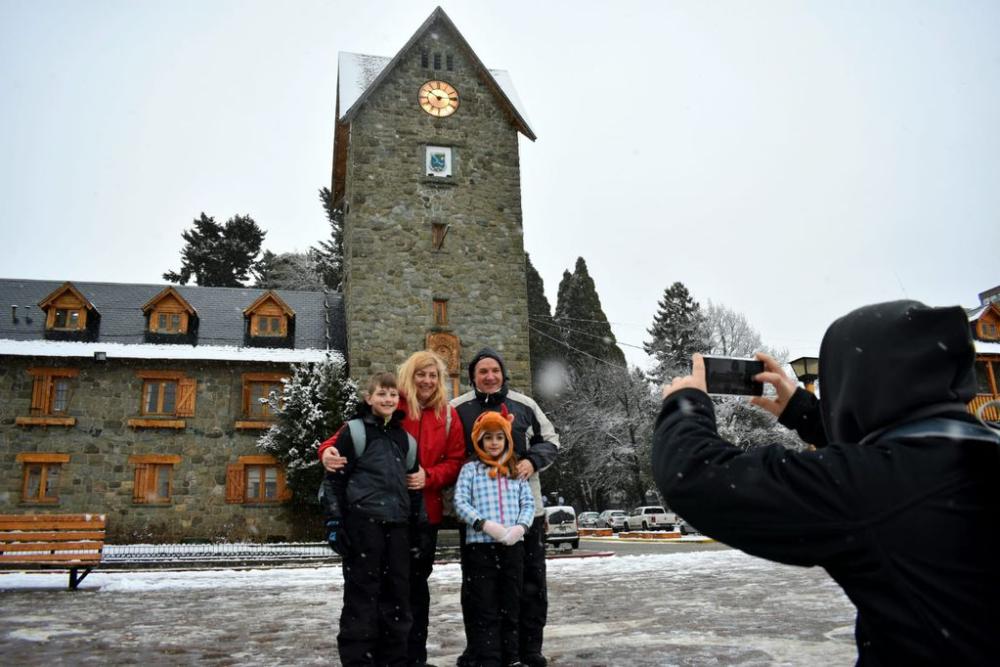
[[494, 530], [513, 535]]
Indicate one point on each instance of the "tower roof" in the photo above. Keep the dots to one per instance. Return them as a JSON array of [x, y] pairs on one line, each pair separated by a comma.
[[359, 75]]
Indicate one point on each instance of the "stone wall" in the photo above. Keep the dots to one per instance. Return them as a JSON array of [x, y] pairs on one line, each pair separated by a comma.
[[99, 478], [393, 273]]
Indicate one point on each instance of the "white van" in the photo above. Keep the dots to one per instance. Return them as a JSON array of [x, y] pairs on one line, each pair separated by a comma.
[[560, 527]]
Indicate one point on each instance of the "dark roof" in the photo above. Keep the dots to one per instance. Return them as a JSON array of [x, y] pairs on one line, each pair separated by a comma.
[[319, 316]]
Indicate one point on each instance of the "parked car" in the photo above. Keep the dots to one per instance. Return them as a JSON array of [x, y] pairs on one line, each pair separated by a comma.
[[613, 519], [560, 527], [587, 520], [650, 517], [685, 528]]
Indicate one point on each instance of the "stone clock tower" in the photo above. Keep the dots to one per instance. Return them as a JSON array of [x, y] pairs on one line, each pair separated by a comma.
[[426, 170]]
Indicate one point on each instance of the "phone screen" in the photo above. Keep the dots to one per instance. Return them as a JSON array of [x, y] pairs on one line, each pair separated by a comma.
[[727, 375]]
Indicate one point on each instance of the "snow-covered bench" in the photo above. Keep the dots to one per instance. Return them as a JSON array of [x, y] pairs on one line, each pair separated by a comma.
[[52, 541]]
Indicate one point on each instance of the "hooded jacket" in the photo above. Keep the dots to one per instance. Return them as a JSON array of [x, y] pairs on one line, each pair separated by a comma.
[[535, 438], [906, 524], [373, 485]]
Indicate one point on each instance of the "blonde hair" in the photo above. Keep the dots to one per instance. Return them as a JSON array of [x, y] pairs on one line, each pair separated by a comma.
[[409, 368]]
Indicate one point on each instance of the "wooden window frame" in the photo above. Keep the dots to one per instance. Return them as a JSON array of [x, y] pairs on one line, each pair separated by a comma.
[[258, 331], [43, 395], [237, 478], [168, 313], [250, 420], [65, 298], [991, 377], [161, 386], [146, 479], [440, 307], [45, 462], [988, 335], [185, 396]]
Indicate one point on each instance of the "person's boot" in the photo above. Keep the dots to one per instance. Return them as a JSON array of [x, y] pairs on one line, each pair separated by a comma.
[[534, 660]]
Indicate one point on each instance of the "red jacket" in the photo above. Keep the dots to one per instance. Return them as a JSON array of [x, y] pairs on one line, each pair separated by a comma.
[[441, 452]]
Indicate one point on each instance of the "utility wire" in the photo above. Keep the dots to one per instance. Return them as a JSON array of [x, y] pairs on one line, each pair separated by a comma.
[[586, 354], [585, 333]]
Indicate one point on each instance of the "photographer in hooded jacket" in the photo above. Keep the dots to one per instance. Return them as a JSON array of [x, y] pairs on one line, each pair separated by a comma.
[[900, 503]]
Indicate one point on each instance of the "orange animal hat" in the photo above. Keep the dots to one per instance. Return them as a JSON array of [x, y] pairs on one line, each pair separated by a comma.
[[495, 421]]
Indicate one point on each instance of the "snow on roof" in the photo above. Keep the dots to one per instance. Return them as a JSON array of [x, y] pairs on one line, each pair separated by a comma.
[[984, 347], [974, 313], [358, 71], [49, 348]]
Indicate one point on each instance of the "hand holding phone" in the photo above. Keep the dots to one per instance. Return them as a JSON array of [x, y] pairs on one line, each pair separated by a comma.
[[733, 376]]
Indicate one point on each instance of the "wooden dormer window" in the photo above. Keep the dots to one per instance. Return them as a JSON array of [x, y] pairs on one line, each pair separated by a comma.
[[66, 309], [269, 316], [168, 313]]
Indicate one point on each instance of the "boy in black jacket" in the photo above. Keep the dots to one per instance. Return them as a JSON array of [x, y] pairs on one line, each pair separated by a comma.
[[900, 503], [369, 513]]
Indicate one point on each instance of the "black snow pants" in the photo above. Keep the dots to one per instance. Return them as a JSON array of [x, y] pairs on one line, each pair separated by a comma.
[[534, 595], [375, 620], [491, 600], [421, 566]]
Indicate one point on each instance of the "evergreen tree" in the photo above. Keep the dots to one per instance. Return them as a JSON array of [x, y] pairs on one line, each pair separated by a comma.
[[544, 337], [289, 270], [584, 325], [314, 402], [328, 257], [678, 331], [219, 255]]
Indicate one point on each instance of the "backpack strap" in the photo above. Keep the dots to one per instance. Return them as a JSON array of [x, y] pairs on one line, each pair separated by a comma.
[[411, 452], [939, 427], [358, 437]]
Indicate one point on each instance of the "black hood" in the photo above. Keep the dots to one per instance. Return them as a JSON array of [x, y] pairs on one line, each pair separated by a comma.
[[887, 363], [488, 353]]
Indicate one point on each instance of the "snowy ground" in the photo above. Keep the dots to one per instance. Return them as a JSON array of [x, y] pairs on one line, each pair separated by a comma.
[[710, 607]]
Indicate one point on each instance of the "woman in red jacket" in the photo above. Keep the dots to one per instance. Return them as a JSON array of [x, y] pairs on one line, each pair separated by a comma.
[[441, 452]]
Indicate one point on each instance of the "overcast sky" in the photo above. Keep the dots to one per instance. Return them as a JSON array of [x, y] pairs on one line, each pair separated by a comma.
[[792, 160]]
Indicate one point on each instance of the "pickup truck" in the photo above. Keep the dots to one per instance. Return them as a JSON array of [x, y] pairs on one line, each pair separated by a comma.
[[650, 517]]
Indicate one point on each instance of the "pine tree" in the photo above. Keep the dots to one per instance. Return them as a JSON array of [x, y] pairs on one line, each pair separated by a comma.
[[219, 255], [289, 270], [678, 331], [314, 402], [328, 257], [584, 325], [544, 337]]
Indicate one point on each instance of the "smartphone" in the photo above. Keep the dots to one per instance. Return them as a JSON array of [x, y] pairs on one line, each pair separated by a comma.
[[729, 375]]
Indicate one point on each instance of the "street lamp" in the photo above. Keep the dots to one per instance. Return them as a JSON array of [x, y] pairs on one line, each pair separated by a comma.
[[806, 370]]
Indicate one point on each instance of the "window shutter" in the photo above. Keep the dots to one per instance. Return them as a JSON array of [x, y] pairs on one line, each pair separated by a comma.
[[247, 412], [186, 391], [38, 391], [140, 487], [284, 493], [234, 483]]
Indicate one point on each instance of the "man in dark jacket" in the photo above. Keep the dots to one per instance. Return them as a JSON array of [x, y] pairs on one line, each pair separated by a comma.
[[536, 445], [900, 503]]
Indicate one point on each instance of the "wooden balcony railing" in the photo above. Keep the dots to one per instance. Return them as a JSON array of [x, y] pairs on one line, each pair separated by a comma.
[[991, 413]]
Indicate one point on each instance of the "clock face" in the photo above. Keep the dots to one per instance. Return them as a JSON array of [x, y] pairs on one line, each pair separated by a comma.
[[438, 98]]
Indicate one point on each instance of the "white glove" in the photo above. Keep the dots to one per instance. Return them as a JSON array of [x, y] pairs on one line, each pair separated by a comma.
[[494, 530], [513, 535]]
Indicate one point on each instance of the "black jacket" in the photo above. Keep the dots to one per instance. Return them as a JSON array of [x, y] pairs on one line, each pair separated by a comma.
[[535, 437], [374, 485], [906, 525]]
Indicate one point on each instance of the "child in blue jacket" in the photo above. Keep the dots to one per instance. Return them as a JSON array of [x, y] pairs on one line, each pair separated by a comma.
[[498, 509]]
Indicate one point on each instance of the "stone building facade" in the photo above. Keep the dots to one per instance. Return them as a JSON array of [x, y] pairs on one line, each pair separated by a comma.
[[142, 402], [434, 254]]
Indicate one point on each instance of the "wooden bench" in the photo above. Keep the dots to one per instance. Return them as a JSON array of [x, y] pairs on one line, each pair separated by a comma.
[[52, 541]]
